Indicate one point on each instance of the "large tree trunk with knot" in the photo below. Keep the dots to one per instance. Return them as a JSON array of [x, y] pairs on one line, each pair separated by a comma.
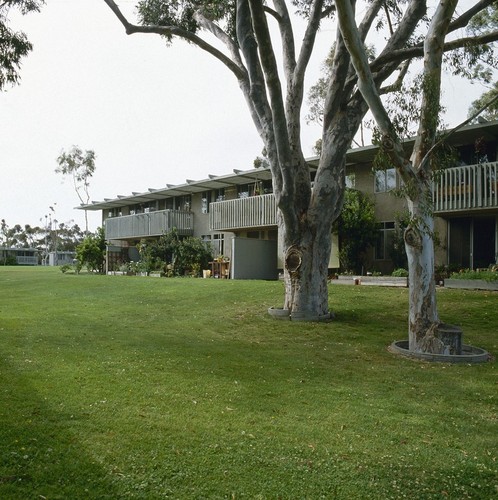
[[306, 261]]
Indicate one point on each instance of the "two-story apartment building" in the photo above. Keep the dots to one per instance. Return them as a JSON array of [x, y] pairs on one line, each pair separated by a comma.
[[19, 256], [237, 214]]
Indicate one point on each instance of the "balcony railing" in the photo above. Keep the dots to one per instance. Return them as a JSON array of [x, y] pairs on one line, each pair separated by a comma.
[[27, 260], [467, 188], [254, 211], [149, 224]]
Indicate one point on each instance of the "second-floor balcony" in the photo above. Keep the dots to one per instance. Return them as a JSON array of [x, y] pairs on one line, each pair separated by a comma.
[[458, 189], [250, 212], [470, 187], [149, 224]]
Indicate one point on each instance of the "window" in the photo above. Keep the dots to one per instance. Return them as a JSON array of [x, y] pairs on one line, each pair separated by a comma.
[[183, 203], [243, 191], [205, 202], [219, 194], [385, 240], [254, 189], [385, 180], [218, 244]]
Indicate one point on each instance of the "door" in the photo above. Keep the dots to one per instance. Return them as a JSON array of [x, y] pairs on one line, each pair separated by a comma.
[[472, 242], [460, 242], [484, 244]]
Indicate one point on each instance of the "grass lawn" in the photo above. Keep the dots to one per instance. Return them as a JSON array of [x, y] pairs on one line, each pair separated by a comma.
[[129, 387]]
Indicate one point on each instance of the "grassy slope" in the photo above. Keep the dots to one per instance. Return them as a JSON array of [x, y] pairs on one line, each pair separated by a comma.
[[115, 387]]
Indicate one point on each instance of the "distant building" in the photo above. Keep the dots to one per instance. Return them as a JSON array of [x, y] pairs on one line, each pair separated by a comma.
[[61, 258], [19, 256]]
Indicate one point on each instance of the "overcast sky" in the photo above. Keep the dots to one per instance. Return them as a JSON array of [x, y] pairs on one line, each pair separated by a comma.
[[153, 115]]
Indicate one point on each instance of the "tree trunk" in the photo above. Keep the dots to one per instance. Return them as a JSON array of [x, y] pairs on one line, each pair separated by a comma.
[[306, 260], [423, 317]]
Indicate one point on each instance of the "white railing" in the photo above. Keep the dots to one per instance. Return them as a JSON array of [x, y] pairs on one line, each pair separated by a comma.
[[149, 224], [254, 211], [27, 260], [467, 187]]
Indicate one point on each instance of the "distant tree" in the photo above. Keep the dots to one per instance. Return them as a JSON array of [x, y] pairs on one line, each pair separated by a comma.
[[14, 45], [4, 228], [489, 98], [91, 252], [79, 166], [69, 237], [357, 230]]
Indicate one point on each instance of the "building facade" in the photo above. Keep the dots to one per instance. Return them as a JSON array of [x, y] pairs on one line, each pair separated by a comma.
[[19, 256], [236, 213]]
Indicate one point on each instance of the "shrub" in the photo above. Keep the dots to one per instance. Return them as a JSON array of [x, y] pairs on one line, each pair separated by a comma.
[[66, 267], [91, 252], [9, 260], [468, 274], [175, 255], [400, 273], [357, 230]]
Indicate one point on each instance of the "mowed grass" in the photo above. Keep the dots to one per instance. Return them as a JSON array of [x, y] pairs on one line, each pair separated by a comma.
[[128, 387]]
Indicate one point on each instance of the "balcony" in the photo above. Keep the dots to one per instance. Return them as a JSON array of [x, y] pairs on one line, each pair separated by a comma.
[[251, 212], [27, 260], [149, 224], [471, 187], [467, 188]]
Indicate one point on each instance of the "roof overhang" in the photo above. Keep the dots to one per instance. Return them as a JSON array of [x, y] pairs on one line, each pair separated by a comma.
[[362, 155]]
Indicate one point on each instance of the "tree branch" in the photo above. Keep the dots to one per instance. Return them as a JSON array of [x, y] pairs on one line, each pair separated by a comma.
[[256, 92], [337, 90], [212, 27], [368, 88], [431, 88], [179, 32], [288, 45], [308, 42], [369, 18], [464, 19], [327, 11], [394, 87], [397, 56], [461, 125], [270, 70]]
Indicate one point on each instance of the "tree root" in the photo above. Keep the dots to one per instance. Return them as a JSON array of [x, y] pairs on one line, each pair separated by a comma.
[[430, 342]]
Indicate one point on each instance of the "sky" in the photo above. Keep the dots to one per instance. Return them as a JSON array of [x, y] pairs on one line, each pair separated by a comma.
[[154, 115]]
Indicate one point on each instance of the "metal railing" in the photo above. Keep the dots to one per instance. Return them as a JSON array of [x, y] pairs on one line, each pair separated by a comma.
[[149, 224], [465, 188], [254, 211], [27, 260]]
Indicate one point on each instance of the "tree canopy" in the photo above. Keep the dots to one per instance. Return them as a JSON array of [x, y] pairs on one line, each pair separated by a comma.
[[488, 99], [79, 166], [14, 45]]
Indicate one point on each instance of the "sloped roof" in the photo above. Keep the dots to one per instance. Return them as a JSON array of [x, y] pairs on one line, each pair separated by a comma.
[[355, 156]]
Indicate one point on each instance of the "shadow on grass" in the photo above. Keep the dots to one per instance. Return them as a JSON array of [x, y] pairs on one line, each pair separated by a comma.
[[40, 456]]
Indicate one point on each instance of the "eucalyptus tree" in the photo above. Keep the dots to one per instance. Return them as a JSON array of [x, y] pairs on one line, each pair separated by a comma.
[[79, 166], [417, 170], [273, 87], [14, 45], [488, 100]]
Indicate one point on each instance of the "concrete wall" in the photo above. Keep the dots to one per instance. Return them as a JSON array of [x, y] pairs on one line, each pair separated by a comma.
[[254, 259]]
